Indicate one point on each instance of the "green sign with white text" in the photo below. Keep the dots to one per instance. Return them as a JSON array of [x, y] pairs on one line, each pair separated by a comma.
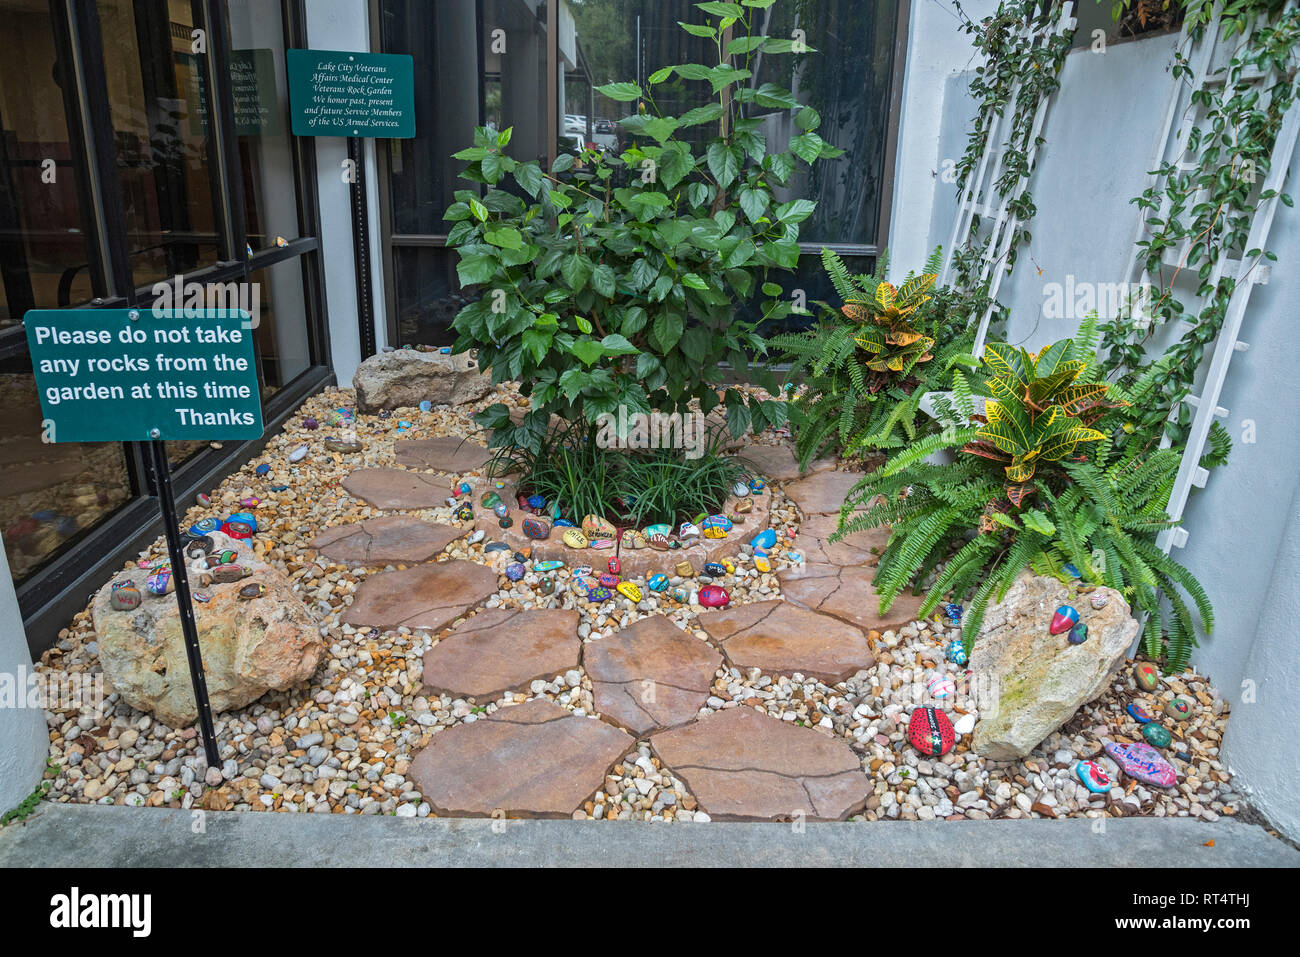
[[341, 93], [127, 375]]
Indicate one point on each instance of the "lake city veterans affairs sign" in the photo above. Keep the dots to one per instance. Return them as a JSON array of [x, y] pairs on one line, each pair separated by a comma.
[[128, 375], [340, 93]]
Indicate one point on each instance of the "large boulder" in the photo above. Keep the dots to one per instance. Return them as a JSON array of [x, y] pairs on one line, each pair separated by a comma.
[[250, 646], [1028, 681], [406, 377]]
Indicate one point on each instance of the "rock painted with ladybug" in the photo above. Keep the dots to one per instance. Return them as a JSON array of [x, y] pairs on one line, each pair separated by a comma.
[[930, 731]]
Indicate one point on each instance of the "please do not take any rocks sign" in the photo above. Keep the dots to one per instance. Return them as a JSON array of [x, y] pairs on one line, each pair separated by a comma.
[[133, 375]]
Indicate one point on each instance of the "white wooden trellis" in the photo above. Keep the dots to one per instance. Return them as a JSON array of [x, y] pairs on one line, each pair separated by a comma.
[[979, 189], [1248, 271]]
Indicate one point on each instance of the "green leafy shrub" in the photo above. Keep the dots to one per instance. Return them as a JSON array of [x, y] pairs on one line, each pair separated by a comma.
[[616, 284]]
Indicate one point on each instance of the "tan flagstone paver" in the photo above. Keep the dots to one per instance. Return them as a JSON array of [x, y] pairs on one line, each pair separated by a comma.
[[390, 539], [426, 596], [847, 593], [778, 462], [396, 488], [444, 453], [500, 650], [854, 549], [780, 638], [822, 493]]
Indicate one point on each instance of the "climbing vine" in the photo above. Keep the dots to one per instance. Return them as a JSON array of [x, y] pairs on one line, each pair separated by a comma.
[[1011, 55], [1199, 213]]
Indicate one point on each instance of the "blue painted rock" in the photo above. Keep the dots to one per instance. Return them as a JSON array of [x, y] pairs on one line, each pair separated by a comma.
[[501, 509], [1142, 762], [714, 596], [1066, 617], [1156, 735], [601, 593], [279, 488], [263, 469], [1093, 776], [160, 582], [953, 612], [756, 485], [465, 512], [1147, 675], [1072, 571], [764, 539], [536, 528], [956, 652], [717, 521], [1180, 708], [795, 558], [930, 731], [714, 569], [205, 525], [515, 571], [681, 595], [1078, 634], [426, 405], [496, 547], [464, 488], [1138, 713], [657, 582], [563, 523], [124, 596], [660, 529], [608, 579], [549, 566], [535, 502]]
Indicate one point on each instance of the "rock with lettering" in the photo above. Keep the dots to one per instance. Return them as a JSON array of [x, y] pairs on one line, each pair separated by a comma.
[[404, 378]]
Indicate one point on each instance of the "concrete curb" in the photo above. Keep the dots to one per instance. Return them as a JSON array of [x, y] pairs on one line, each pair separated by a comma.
[[77, 835]]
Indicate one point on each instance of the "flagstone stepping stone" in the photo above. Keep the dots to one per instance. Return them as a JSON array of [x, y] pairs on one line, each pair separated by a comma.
[[822, 493], [536, 759], [650, 675], [778, 462], [781, 638], [396, 488], [446, 453], [742, 765], [500, 650], [387, 540], [854, 549], [847, 593], [426, 596]]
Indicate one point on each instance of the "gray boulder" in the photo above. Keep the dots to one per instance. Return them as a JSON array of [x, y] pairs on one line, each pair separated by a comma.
[[405, 377]]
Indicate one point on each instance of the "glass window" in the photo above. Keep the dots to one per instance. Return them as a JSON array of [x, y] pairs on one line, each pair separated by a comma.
[[428, 294], [155, 85], [280, 320], [44, 220]]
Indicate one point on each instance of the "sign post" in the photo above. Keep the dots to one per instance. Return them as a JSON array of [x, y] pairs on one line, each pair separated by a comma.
[[130, 375]]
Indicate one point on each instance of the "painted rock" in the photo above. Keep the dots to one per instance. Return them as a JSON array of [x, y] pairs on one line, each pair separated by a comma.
[[596, 526], [762, 564], [1093, 776], [515, 571], [1143, 762], [310, 424], [614, 565], [225, 574], [205, 525], [685, 569], [714, 596], [602, 543], [1138, 713], [795, 558], [535, 502], [547, 585], [582, 571], [1066, 617], [160, 582], [940, 686], [659, 543], [660, 529], [930, 731], [688, 530], [227, 556], [464, 512], [1179, 707], [464, 488], [756, 485], [744, 507], [490, 500], [252, 590], [237, 529], [342, 446], [719, 521], [715, 569], [124, 596], [202, 596], [1098, 601], [584, 586], [574, 538], [263, 469], [600, 593], [539, 529], [1072, 571], [764, 539], [740, 490], [203, 499], [298, 454], [548, 566], [714, 532], [657, 582], [608, 579], [426, 405], [495, 547], [629, 591], [1156, 735], [1078, 634], [279, 488], [953, 612], [478, 535], [681, 595], [562, 523], [1147, 675], [633, 538], [502, 510], [956, 652], [555, 511], [198, 546]]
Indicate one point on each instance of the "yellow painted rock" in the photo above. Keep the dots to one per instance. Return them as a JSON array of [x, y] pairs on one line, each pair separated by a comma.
[[634, 538], [744, 506], [596, 526], [685, 569], [629, 591], [762, 564], [574, 538], [714, 532]]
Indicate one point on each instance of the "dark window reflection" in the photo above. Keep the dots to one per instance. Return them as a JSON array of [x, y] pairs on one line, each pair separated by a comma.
[[428, 295]]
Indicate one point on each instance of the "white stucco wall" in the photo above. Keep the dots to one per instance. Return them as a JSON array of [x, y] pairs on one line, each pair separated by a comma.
[[23, 741], [1244, 528]]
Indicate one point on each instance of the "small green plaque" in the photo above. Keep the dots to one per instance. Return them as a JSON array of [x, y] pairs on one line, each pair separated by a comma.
[[342, 93], [104, 376]]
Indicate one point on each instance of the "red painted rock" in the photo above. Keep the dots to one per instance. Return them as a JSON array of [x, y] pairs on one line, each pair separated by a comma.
[[930, 731], [1066, 617], [714, 596], [536, 528]]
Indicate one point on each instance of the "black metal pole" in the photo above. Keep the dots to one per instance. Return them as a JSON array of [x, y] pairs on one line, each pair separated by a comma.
[[171, 525], [361, 247]]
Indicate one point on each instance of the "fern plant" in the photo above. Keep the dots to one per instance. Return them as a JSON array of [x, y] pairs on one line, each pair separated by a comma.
[[868, 365], [966, 530]]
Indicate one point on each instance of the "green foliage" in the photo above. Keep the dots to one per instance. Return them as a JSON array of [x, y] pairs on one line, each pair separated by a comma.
[[967, 529], [867, 365], [26, 806], [612, 280]]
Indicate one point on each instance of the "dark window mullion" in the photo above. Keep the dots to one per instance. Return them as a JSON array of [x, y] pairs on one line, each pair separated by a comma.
[[223, 142]]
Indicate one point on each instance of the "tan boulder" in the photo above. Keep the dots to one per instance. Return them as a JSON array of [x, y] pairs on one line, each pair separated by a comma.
[[405, 377]]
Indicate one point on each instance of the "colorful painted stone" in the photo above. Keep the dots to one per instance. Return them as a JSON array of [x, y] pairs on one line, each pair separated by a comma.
[[714, 569], [762, 564], [1078, 634], [236, 528], [1098, 601], [515, 571], [795, 558], [940, 686], [1066, 617], [1093, 776], [657, 582], [562, 523], [953, 612], [714, 532], [547, 585], [124, 596], [342, 446], [681, 595], [614, 565], [536, 502], [505, 521], [490, 499], [956, 652], [539, 529], [600, 593], [756, 485], [279, 488], [477, 536], [202, 597], [744, 507], [1142, 762], [501, 510], [584, 585], [582, 571], [251, 501], [263, 469], [930, 731], [740, 490], [633, 538], [252, 590], [225, 574], [597, 526], [203, 499], [629, 591], [714, 596], [160, 582], [659, 543], [660, 529], [602, 543], [688, 530], [464, 512], [1072, 571], [719, 521], [1179, 707], [547, 566], [608, 579], [464, 488], [1156, 734], [426, 405], [685, 570], [310, 424], [574, 538], [204, 526], [1147, 675], [764, 539], [198, 546], [555, 511], [1138, 713]]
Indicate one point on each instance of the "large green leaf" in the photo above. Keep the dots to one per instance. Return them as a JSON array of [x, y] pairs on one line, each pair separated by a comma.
[[623, 92], [723, 163]]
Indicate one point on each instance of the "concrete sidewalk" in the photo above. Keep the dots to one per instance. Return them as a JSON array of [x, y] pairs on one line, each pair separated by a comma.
[[75, 835]]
